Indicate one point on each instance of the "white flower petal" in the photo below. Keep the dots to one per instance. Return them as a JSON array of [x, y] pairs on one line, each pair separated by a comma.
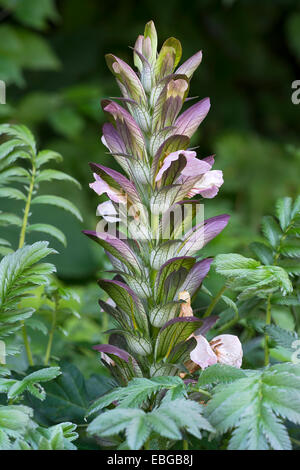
[[228, 349], [203, 355]]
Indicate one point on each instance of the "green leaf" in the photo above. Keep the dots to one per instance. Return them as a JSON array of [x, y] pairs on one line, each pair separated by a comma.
[[219, 373], [165, 420], [253, 405], [50, 230], [290, 248], [250, 278], [68, 396], [12, 193], [35, 13], [113, 421], [271, 230], [15, 420], [58, 202], [281, 337], [20, 132], [44, 156], [19, 274], [9, 219], [284, 211], [296, 208], [49, 175], [263, 252], [31, 383], [136, 392], [291, 266], [137, 432]]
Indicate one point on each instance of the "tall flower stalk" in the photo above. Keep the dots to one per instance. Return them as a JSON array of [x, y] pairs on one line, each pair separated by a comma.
[[155, 255]]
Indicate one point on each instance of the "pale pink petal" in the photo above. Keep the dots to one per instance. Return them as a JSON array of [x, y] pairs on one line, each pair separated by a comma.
[[208, 185], [228, 350], [100, 187], [193, 167], [203, 355], [108, 212]]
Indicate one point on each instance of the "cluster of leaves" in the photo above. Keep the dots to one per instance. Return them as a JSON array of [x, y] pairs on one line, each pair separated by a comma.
[[20, 272], [253, 406], [21, 147], [270, 282], [21, 48], [18, 430], [167, 419], [26, 284]]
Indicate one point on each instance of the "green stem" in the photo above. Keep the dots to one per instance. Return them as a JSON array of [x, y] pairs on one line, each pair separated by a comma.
[[185, 444], [50, 341], [26, 344], [268, 322], [229, 324], [214, 301], [147, 444], [27, 207], [21, 243]]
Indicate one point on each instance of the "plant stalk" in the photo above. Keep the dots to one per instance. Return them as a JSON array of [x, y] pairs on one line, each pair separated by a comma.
[[214, 301], [21, 243], [268, 322], [50, 340]]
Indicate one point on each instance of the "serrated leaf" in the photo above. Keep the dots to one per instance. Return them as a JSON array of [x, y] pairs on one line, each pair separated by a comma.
[[219, 373], [271, 230], [263, 252], [251, 405], [284, 211]]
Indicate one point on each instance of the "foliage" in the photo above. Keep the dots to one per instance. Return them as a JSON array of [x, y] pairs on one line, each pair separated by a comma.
[[166, 420], [253, 406], [49, 321]]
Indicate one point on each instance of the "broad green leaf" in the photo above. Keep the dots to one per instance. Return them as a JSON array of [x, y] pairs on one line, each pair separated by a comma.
[[283, 211], [263, 252], [271, 230]]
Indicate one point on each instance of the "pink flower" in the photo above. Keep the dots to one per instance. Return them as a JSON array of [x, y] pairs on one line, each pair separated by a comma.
[[193, 165], [224, 349], [196, 172], [100, 187], [208, 185], [203, 355], [108, 212]]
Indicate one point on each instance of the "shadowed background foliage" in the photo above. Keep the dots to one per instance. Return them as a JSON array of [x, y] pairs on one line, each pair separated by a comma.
[[52, 61]]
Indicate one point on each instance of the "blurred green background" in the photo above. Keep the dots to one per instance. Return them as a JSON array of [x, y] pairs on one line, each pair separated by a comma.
[[52, 60]]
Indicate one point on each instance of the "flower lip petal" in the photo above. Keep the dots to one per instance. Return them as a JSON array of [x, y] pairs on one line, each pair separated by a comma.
[[193, 164], [228, 349], [203, 355]]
